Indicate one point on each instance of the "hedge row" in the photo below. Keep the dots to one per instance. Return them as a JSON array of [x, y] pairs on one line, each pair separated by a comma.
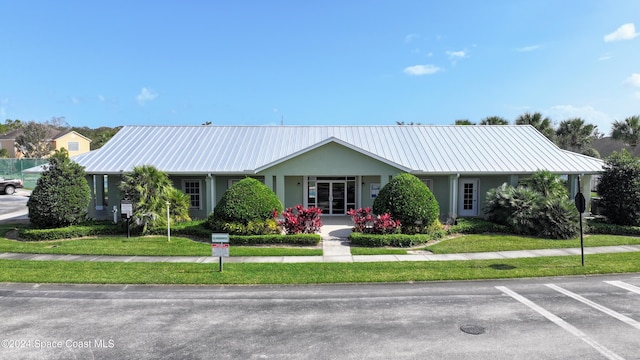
[[69, 232], [192, 229], [600, 227], [393, 240], [296, 239]]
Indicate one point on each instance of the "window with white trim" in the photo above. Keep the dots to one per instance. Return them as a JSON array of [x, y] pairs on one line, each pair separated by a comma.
[[73, 146], [192, 188]]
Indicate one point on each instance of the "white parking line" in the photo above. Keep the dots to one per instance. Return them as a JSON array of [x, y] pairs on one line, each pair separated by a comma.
[[625, 286], [563, 324], [594, 305]]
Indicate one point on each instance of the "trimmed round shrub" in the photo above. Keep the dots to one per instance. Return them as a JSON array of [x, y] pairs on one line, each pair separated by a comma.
[[245, 201], [61, 195], [408, 199]]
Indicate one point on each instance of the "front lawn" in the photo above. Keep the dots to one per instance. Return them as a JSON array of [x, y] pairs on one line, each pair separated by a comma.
[[141, 246], [498, 242], [311, 273], [144, 246]]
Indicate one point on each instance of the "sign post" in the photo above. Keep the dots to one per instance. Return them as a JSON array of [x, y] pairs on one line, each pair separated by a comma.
[[220, 247], [581, 206], [126, 212]]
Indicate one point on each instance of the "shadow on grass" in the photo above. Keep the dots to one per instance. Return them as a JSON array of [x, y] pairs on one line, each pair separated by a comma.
[[502, 267]]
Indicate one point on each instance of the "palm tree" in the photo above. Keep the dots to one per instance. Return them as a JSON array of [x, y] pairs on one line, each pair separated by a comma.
[[575, 135], [628, 131], [494, 120], [536, 120], [464, 122], [147, 187]]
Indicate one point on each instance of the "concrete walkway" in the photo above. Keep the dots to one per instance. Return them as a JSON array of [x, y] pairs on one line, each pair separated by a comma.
[[335, 239], [335, 258]]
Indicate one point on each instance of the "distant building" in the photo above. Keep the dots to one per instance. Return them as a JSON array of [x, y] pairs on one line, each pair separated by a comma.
[[72, 141], [607, 145]]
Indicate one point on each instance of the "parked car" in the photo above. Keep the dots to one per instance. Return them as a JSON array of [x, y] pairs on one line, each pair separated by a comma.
[[9, 186]]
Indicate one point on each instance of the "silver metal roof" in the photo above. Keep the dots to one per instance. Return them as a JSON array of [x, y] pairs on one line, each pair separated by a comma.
[[429, 149]]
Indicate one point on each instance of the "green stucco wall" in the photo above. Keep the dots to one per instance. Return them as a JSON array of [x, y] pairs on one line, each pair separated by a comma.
[[331, 159]]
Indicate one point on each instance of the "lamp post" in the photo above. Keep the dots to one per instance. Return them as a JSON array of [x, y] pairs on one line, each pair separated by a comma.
[[168, 224]]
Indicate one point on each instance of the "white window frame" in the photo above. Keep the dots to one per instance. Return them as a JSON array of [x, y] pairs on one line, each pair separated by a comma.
[[77, 146], [198, 193]]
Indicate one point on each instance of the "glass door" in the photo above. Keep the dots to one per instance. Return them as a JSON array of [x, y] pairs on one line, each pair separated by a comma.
[[468, 195], [330, 197], [338, 200], [323, 196]]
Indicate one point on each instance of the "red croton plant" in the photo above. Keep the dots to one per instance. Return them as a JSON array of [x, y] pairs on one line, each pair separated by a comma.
[[365, 222], [298, 220]]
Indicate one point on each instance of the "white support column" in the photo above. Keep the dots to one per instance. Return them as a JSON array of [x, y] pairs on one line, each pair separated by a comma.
[[280, 188], [210, 185], [268, 181], [305, 191], [453, 196], [358, 192], [573, 186], [586, 190]]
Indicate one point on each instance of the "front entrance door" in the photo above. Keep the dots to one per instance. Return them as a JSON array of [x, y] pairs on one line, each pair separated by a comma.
[[468, 197], [331, 197]]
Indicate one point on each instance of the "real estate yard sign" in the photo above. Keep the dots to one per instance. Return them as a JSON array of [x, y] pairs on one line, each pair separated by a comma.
[[220, 246]]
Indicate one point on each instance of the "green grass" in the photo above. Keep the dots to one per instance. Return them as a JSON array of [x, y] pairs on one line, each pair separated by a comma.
[[357, 250], [496, 242], [311, 273], [144, 246]]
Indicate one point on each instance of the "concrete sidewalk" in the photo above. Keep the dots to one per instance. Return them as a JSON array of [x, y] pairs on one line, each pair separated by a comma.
[[328, 258]]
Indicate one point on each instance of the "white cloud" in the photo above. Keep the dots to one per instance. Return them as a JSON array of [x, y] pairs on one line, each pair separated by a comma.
[[633, 80], [411, 37], [528, 48], [145, 95], [587, 113], [605, 57], [637, 95], [420, 70], [457, 54], [624, 32]]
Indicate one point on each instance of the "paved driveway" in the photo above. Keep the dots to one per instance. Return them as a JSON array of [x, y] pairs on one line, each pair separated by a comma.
[[14, 206], [551, 318]]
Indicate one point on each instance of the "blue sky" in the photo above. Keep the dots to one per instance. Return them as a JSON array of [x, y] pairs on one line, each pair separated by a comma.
[[356, 62]]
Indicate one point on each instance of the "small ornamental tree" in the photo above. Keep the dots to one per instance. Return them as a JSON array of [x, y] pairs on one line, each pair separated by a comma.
[[408, 200], [61, 195], [619, 189]]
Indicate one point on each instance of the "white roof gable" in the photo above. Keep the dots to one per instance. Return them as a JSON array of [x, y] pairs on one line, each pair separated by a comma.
[[429, 149]]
